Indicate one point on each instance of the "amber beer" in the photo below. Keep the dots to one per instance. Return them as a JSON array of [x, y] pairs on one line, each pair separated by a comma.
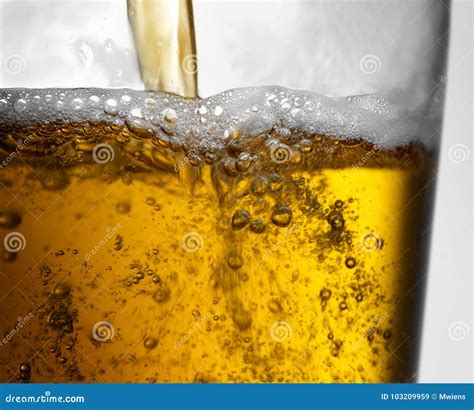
[[152, 238]]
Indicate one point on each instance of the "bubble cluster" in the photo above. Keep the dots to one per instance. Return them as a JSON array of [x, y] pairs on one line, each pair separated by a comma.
[[250, 111]]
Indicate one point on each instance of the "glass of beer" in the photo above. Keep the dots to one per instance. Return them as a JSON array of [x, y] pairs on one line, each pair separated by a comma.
[[237, 192]]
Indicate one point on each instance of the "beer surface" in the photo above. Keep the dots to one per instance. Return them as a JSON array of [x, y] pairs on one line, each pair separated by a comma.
[[256, 236]]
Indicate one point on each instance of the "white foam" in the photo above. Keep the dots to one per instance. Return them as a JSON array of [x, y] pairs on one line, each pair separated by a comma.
[[251, 111]]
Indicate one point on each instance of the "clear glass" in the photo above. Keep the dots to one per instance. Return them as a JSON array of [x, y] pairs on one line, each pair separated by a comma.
[[273, 230]]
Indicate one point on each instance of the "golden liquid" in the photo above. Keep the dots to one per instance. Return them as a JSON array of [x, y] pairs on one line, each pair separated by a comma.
[[300, 269], [251, 265], [164, 38]]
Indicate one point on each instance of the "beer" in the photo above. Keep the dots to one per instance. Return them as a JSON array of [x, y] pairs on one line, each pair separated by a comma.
[[260, 235], [166, 46]]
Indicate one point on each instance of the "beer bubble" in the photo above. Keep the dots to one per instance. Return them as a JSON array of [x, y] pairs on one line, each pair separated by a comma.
[[200, 378], [259, 185], [163, 294], [305, 145], [150, 201], [9, 219], [20, 105], [125, 98], [170, 115], [243, 162], [276, 183], [336, 220], [94, 99], [110, 106], [77, 103], [281, 216], [235, 261], [229, 167], [25, 368], [240, 220], [274, 306], [137, 113], [123, 207], [150, 102], [61, 291], [370, 241], [325, 293], [218, 111], [350, 262], [258, 226], [3, 104], [202, 110], [150, 343]]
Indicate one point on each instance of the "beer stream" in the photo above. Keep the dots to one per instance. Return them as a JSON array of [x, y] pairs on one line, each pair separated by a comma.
[[246, 237], [164, 38]]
